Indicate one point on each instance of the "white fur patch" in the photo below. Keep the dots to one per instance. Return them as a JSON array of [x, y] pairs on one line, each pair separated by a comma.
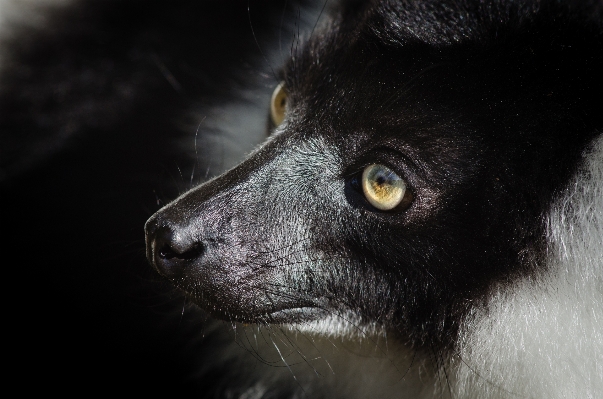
[[544, 338], [347, 325]]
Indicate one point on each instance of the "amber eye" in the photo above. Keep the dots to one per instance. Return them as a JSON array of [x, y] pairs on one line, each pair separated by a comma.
[[278, 104], [383, 188]]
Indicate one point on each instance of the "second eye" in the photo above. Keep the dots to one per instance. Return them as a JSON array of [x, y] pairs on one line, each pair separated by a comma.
[[278, 104]]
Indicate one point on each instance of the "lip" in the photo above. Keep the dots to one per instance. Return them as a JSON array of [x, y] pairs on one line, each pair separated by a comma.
[[281, 315], [295, 315]]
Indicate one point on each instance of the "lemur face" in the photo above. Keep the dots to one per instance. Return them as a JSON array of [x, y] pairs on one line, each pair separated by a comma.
[[403, 179]]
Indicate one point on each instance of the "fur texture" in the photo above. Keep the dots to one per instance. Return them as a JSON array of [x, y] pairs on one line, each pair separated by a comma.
[[486, 284], [489, 283]]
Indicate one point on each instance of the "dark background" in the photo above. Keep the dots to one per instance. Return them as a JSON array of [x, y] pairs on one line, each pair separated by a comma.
[[92, 104]]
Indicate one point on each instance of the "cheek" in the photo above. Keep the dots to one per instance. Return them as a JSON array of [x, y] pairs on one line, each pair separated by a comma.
[[426, 206]]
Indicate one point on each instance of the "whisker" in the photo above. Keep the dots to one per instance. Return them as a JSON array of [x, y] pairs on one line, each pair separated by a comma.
[[299, 352], [318, 19], [290, 370], [280, 31], [257, 43]]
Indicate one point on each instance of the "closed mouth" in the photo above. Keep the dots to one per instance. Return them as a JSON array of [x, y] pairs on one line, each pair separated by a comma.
[[295, 315]]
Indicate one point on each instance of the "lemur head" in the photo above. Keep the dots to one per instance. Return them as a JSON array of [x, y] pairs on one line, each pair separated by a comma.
[[408, 171]]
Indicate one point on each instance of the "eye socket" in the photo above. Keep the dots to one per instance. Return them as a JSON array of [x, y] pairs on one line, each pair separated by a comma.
[[278, 104], [383, 188]]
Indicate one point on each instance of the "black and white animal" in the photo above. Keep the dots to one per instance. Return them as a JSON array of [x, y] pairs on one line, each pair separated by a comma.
[[424, 220], [426, 216]]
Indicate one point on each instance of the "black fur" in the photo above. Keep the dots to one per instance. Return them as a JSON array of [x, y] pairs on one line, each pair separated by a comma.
[[485, 110], [106, 106]]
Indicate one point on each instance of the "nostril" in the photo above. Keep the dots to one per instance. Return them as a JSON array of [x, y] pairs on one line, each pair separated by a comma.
[[171, 249], [167, 252]]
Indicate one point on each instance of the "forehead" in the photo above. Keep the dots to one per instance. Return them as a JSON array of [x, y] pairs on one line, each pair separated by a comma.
[[425, 66], [363, 70], [361, 94]]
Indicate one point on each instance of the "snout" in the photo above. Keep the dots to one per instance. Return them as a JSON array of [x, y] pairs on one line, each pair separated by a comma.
[[171, 249], [237, 247]]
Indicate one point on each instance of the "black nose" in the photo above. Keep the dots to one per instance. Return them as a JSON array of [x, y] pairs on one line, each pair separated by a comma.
[[171, 249]]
